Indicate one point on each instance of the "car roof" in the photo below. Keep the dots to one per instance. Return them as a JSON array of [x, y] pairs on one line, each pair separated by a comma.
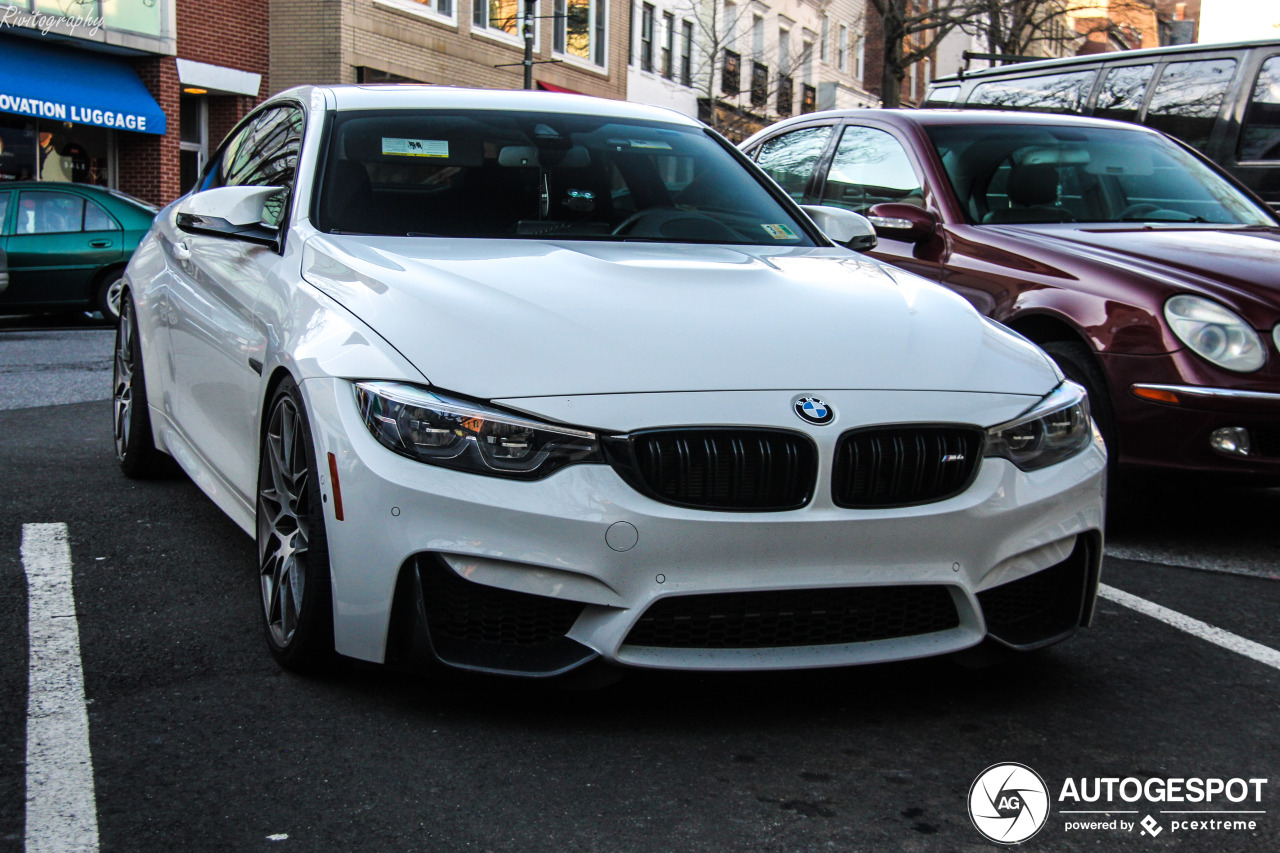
[[1012, 118], [1092, 60], [403, 96]]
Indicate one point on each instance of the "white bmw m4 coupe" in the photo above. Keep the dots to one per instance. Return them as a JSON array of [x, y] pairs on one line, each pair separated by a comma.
[[516, 382]]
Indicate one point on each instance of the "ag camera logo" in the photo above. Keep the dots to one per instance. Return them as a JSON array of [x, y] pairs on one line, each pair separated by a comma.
[[1008, 803]]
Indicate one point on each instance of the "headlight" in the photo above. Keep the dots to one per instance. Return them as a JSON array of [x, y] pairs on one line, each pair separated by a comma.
[[428, 427], [1057, 428], [1215, 333]]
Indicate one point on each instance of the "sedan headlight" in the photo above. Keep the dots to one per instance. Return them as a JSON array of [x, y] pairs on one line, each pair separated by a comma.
[[1215, 333], [438, 430], [1057, 428]]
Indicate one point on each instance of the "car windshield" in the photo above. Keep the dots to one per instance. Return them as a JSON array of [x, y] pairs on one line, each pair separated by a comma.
[[500, 174], [1004, 174]]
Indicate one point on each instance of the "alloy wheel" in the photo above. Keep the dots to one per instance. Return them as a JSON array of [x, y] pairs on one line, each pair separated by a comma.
[[122, 380], [283, 521]]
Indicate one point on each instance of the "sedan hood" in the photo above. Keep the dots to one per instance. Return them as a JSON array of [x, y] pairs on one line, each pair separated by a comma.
[[1241, 265], [504, 318]]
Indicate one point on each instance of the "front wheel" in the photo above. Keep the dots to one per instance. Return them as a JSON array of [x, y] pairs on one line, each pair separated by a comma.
[[1078, 363], [293, 554], [131, 422]]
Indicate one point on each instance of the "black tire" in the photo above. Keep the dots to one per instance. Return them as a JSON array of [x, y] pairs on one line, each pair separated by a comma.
[[131, 419], [1079, 364], [293, 553], [110, 293]]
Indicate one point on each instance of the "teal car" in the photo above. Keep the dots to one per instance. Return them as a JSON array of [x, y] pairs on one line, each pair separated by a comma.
[[66, 245]]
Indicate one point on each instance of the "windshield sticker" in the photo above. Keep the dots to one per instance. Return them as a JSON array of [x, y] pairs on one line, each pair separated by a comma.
[[415, 147], [779, 232]]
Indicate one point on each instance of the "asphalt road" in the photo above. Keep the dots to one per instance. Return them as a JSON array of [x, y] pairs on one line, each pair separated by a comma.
[[199, 742]]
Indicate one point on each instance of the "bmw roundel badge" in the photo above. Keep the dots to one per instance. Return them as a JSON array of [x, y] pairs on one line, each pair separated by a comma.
[[814, 410]]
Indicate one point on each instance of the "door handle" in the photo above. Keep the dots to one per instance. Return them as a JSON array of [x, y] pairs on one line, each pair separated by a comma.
[[182, 251], [99, 244]]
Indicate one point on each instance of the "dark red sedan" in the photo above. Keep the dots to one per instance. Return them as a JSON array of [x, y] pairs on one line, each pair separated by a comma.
[[1150, 276]]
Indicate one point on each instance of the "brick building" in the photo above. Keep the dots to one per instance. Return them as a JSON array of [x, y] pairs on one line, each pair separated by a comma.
[[131, 94], [580, 45]]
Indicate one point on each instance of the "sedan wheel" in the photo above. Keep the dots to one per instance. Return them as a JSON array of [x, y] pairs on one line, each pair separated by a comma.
[[109, 293], [293, 560]]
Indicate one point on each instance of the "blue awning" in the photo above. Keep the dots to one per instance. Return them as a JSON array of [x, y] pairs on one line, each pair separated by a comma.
[[79, 86]]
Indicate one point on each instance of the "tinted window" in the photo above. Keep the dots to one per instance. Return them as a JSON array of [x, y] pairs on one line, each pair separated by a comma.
[[97, 219], [1004, 174], [1260, 139], [790, 159], [263, 153], [870, 167], [1121, 94], [498, 174], [1187, 99], [49, 213], [1054, 93], [4, 208]]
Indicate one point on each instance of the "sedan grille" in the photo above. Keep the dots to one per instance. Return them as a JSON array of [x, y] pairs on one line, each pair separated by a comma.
[[721, 469], [904, 465], [798, 617]]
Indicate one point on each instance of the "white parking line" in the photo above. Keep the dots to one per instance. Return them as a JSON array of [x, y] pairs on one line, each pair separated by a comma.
[[62, 812], [1203, 630]]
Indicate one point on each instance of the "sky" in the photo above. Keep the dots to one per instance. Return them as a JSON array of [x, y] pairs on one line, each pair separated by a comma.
[[1239, 20]]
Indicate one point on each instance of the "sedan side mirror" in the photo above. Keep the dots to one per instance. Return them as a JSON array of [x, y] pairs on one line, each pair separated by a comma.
[[843, 226], [251, 214], [902, 221]]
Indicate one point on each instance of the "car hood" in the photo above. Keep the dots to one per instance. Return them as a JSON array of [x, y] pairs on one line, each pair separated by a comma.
[[502, 318], [1241, 265]]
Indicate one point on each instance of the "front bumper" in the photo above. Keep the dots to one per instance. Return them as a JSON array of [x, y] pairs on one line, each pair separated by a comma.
[[1168, 407], [582, 557]]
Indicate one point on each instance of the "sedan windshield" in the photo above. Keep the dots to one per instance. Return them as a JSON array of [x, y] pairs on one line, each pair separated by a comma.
[[497, 174], [1004, 174]]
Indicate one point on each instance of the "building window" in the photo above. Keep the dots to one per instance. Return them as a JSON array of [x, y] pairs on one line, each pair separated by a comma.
[[842, 49], [757, 37], [193, 147], [784, 50], [668, 43], [731, 77], [686, 55], [759, 84], [646, 37], [808, 99], [500, 15], [785, 86], [859, 57], [440, 7], [826, 37], [580, 30], [806, 62]]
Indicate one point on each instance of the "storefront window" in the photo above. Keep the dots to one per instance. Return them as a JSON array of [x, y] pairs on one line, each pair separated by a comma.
[[139, 16], [35, 149]]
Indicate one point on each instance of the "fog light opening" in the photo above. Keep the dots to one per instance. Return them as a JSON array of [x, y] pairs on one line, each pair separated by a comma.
[[1233, 441]]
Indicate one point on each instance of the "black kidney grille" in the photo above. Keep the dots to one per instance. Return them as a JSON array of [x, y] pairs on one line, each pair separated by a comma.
[[902, 466], [801, 617], [730, 469]]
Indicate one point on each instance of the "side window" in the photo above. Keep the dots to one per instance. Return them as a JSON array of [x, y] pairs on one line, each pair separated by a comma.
[[263, 154], [97, 219], [790, 159], [4, 210], [49, 213], [1122, 91], [1187, 99], [1052, 93], [1260, 139], [870, 167]]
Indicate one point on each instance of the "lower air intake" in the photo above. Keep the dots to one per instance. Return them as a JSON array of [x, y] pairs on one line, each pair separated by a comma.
[[788, 618]]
